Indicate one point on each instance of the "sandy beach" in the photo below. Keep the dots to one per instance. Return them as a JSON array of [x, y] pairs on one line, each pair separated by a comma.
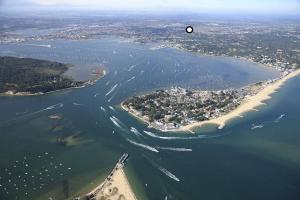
[[115, 187], [248, 104], [135, 115]]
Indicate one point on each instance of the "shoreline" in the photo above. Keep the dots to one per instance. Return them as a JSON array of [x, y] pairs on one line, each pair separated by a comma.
[[116, 186], [241, 58], [119, 180], [247, 104], [24, 94], [134, 115]]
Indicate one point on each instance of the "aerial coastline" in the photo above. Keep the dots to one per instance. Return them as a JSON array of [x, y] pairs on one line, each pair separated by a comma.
[[46, 77], [116, 186], [248, 102], [84, 84], [182, 104]]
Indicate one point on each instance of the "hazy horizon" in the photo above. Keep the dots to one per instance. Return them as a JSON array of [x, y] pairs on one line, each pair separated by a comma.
[[270, 7]]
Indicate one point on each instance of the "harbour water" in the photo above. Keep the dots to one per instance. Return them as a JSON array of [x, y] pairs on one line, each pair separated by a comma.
[[238, 162]]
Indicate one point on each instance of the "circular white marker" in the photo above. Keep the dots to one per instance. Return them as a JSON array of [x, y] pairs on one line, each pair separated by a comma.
[[189, 29]]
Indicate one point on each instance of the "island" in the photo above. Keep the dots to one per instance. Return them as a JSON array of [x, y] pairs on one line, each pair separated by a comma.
[[179, 109], [28, 76]]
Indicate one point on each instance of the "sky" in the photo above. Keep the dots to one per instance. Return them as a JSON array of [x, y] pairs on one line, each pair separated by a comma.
[[264, 6]]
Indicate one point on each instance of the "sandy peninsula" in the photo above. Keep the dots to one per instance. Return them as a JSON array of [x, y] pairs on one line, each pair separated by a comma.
[[115, 187], [248, 104]]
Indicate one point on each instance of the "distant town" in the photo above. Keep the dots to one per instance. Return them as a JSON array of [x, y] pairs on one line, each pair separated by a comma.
[[266, 41]]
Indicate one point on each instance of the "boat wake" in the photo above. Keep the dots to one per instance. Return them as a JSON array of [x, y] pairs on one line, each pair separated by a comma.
[[39, 45], [112, 89], [56, 106], [59, 105], [116, 122], [143, 146], [112, 108], [131, 67], [111, 98], [135, 131], [22, 113], [179, 138], [168, 173], [175, 149], [130, 79], [253, 127], [278, 119], [77, 104], [102, 108], [119, 124]]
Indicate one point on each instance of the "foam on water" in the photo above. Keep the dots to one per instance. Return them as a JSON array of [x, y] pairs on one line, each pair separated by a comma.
[[130, 79], [102, 108], [131, 67], [119, 123], [168, 173], [135, 131], [39, 45], [143, 146], [56, 106], [115, 121], [59, 105], [77, 104], [279, 118], [112, 108], [111, 98], [111, 90], [253, 127], [183, 137], [175, 149], [173, 138]]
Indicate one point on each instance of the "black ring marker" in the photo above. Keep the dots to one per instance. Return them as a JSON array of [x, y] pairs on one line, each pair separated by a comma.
[[189, 29]]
